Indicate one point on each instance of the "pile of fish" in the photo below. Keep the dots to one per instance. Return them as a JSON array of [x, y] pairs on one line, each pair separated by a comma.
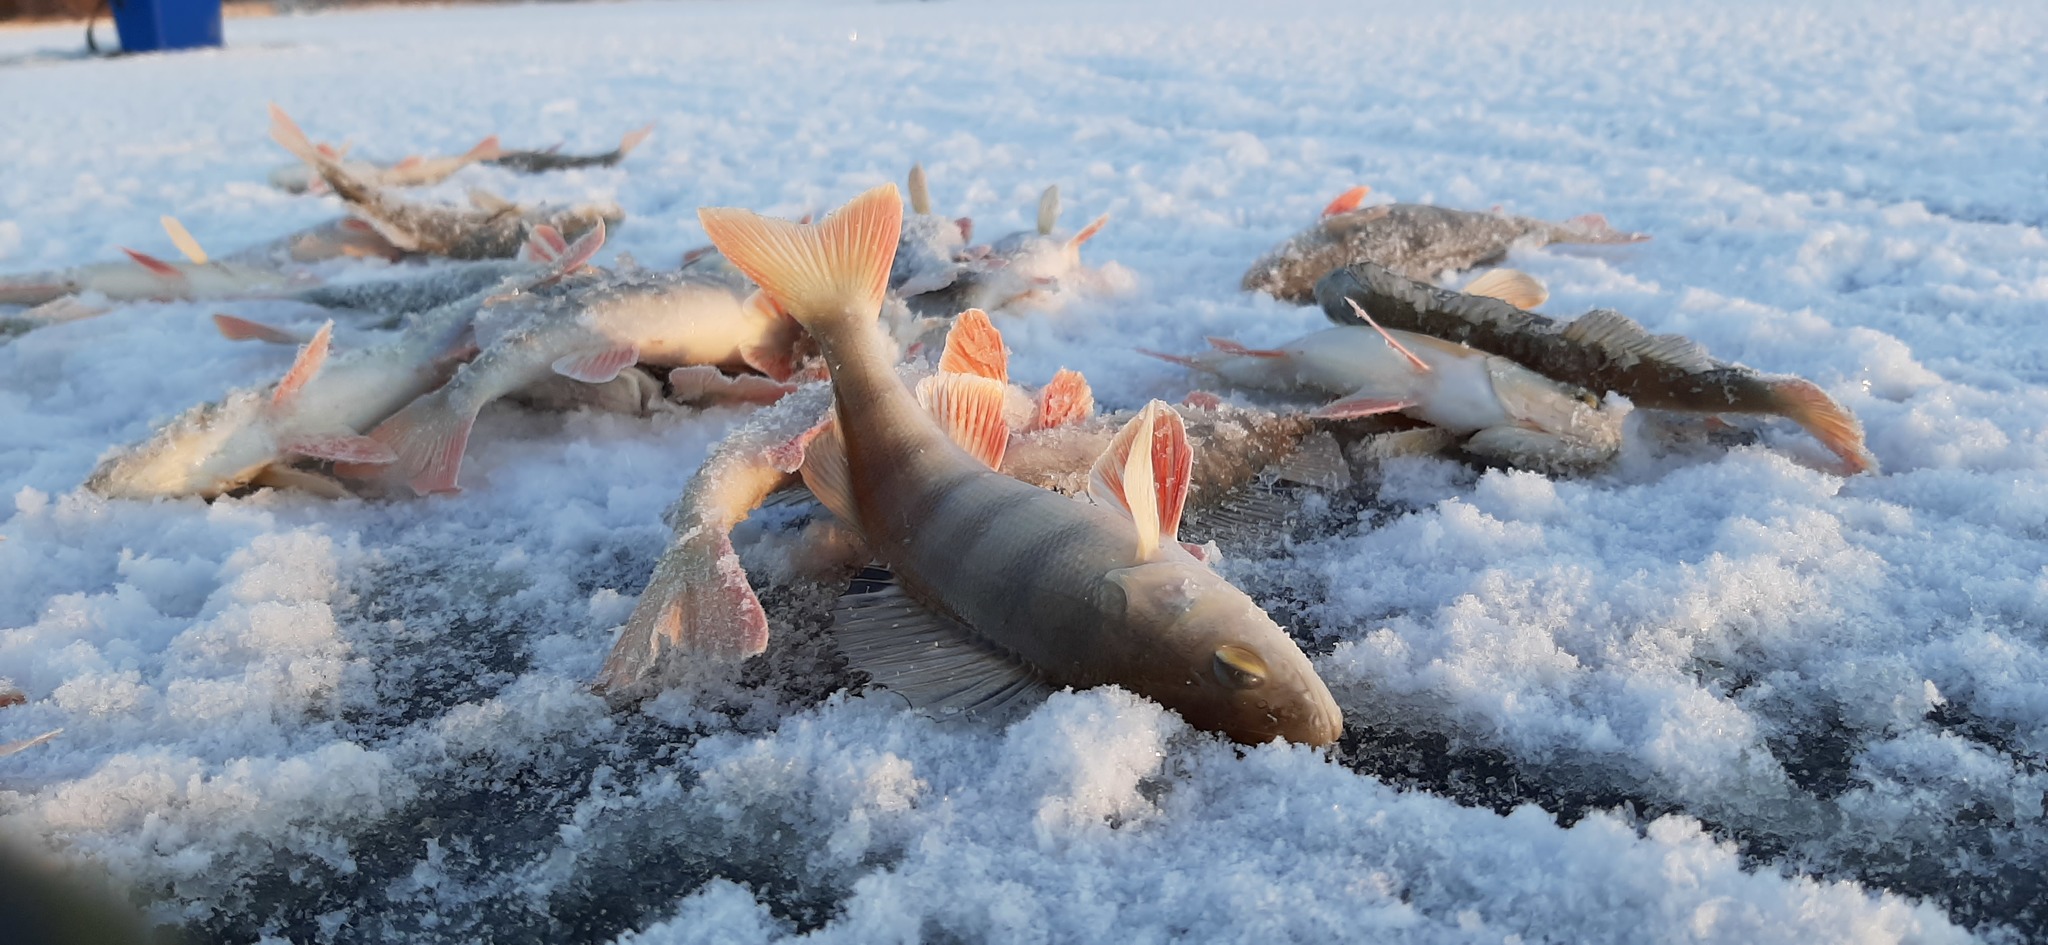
[[999, 541]]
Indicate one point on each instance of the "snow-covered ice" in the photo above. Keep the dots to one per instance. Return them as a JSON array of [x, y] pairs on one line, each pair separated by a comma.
[[1705, 696]]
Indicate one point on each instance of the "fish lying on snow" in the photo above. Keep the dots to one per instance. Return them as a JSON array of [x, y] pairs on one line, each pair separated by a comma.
[[1003, 590], [1416, 240], [928, 251], [590, 331], [1601, 350], [551, 159], [1019, 270], [1506, 411], [492, 228], [321, 410], [411, 171], [142, 277]]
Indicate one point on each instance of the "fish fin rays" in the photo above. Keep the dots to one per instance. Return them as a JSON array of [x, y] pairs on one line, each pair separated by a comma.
[[182, 238], [1347, 201], [826, 472], [836, 269], [934, 662], [970, 409], [156, 267], [599, 366], [429, 438], [1832, 424], [1144, 473], [1512, 286], [339, 448], [1624, 339], [303, 368], [973, 346], [1420, 365], [704, 385], [1364, 404], [1063, 401]]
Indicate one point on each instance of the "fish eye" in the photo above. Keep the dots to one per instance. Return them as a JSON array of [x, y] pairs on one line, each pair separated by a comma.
[[1586, 397], [1238, 668]]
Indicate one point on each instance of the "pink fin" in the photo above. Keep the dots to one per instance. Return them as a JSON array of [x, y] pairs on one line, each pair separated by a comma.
[[1420, 365], [1228, 346], [1145, 474], [1202, 400], [704, 384], [576, 254], [1066, 400], [597, 367], [1088, 232], [1353, 407], [303, 367], [1346, 201], [826, 472], [1175, 358], [429, 438], [485, 150], [716, 615], [634, 138], [966, 225], [340, 448], [408, 162], [234, 328], [154, 265], [970, 409], [544, 244], [974, 346]]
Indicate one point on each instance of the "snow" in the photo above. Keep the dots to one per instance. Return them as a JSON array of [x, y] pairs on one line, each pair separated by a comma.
[[1707, 695]]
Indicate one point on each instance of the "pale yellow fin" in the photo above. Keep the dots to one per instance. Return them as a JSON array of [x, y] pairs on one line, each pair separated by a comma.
[[1048, 210], [826, 473], [1512, 286], [970, 409], [920, 191], [182, 238], [822, 274]]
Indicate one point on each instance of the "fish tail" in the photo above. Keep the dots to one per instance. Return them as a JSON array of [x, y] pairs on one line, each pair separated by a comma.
[[830, 276], [1830, 422], [633, 139], [698, 605], [429, 436], [1594, 228]]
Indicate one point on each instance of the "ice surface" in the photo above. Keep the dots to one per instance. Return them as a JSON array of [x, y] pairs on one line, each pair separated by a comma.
[[1709, 695]]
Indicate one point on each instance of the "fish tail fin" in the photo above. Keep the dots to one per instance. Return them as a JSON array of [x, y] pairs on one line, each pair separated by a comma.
[[634, 138], [830, 276], [1829, 422], [1594, 228], [429, 437], [698, 605]]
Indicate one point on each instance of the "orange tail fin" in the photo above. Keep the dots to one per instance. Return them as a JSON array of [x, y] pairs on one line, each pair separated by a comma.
[[825, 274]]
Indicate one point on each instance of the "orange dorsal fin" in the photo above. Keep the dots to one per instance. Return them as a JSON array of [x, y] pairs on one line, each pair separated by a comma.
[[287, 132], [1088, 232], [973, 346], [821, 274], [1144, 473], [574, 255], [1066, 400], [1421, 366], [970, 409], [485, 150], [1347, 201], [156, 266], [303, 367]]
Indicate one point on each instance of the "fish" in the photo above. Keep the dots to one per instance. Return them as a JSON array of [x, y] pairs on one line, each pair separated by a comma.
[[1602, 350], [998, 591], [590, 332], [411, 171], [928, 253], [321, 409], [9, 748], [143, 277], [1019, 270], [551, 159], [491, 228], [1419, 241]]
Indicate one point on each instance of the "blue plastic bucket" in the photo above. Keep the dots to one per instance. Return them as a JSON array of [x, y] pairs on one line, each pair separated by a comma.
[[151, 25]]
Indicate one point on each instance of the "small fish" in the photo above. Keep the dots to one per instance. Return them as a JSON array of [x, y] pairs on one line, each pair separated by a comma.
[[928, 254], [551, 159], [1601, 350], [321, 409], [492, 228], [411, 171], [589, 332], [1001, 590], [142, 277], [1416, 240]]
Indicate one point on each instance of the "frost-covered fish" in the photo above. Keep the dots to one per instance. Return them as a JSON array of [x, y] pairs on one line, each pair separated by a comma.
[[551, 159], [928, 254], [588, 332], [321, 409], [1601, 350], [1416, 240], [142, 277], [1021, 269], [411, 171], [492, 228], [1002, 589]]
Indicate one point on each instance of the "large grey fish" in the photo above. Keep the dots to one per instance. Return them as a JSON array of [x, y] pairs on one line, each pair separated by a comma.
[[551, 159], [1601, 350], [1416, 240], [1005, 590], [492, 228]]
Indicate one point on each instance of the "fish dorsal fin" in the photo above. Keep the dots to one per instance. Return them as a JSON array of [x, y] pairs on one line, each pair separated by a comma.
[[826, 472], [1512, 286], [974, 346], [1048, 210], [287, 132], [488, 202], [182, 238], [1066, 400], [1088, 232], [1144, 473], [1420, 365], [485, 150], [635, 138], [1628, 342], [933, 662], [1347, 201], [920, 191], [304, 366], [970, 409]]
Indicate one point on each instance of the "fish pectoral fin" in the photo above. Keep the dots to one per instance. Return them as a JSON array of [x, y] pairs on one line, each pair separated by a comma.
[[340, 448], [304, 367], [598, 366], [704, 385], [937, 664], [1346, 201], [1088, 232], [1512, 286], [1228, 346], [236, 328], [825, 470], [156, 267], [970, 409], [277, 476], [974, 346], [1065, 400], [1363, 404], [1144, 474], [1624, 340]]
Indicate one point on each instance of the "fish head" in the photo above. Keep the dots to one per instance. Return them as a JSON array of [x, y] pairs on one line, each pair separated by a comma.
[[208, 451], [1213, 656]]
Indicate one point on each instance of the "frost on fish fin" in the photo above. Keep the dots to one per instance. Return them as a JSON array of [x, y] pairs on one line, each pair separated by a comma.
[[429, 437], [1512, 286], [1088, 232], [235, 328], [974, 346], [698, 607], [920, 191], [27, 743], [276, 476], [1067, 399], [573, 256], [1594, 228], [1420, 365], [597, 367], [1048, 210], [970, 409], [836, 270], [1832, 424], [1346, 201], [1360, 405], [182, 238], [935, 663], [1628, 342], [340, 448], [303, 367], [1144, 473], [826, 473], [634, 138], [704, 385], [156, 267], [1228, 346], [492, 203]]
